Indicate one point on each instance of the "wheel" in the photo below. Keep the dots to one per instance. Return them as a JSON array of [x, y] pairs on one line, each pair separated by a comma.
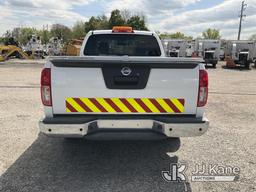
[[247, 65], [214, 65]]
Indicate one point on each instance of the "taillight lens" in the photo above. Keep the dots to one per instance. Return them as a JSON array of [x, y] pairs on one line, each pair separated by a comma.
[[46, 95], [203, 88]]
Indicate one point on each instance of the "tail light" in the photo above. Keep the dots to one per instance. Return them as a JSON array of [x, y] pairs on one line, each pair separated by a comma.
[[46, 95], [203, 88]]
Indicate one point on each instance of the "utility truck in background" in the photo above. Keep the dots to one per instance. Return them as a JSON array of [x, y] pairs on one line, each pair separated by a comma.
[[240, 53], [175, 47], [54, 46], [190, 48], [209, 50], [122, 84], [35, 48]]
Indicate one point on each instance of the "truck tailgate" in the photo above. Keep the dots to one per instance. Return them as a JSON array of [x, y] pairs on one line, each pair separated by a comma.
[[124, 85]]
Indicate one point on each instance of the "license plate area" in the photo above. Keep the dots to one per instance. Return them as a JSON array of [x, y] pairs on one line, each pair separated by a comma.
[[124, 124]]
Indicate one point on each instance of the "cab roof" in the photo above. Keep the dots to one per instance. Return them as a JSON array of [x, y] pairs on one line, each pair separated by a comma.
[[134, 32]]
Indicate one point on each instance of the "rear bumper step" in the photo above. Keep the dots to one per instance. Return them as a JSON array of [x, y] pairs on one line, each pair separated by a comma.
[[187, 127]]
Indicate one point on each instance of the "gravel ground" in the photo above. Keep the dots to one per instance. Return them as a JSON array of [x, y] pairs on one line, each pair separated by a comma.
[[32, 162]]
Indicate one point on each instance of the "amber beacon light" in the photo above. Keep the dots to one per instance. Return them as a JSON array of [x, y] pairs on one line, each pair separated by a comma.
[[122, 29]]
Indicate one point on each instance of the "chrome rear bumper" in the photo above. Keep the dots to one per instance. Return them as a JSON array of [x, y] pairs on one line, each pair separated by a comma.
[[124, 126]]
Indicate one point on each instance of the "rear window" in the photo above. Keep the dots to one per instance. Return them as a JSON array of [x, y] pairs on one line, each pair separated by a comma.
[[122, 44]]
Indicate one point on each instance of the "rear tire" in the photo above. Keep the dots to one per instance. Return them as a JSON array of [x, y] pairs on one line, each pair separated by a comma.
[[247, 65]]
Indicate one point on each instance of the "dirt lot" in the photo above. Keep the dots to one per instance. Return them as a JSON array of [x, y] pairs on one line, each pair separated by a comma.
[[32, 162]]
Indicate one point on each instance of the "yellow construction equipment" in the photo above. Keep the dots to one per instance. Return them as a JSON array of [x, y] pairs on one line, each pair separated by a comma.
[[72, 48], [11, 51]]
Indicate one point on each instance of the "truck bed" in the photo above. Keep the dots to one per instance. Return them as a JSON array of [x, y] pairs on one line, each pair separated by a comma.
[[96, 85]]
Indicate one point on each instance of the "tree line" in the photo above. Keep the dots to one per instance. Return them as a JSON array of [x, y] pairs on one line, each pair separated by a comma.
[[81, 28]]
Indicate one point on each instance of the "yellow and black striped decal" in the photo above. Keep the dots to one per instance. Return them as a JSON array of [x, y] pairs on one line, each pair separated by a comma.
[[125, 105]]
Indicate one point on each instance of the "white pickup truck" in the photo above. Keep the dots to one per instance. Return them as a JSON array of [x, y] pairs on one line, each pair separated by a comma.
[[123, 84]]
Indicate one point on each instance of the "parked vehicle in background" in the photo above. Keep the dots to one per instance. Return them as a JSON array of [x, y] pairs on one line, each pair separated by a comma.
[[209, 50], [123, 84], [190, 49], [175, 47], [54, 46], [240, 53], [73, 47], [34, 48], [11, 51]]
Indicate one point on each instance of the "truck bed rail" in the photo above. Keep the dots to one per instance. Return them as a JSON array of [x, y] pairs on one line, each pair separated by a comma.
[[100, 61]]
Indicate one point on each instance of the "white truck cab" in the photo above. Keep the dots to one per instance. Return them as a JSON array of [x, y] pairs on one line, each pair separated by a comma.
[[209, 50], [175, 47], [241, 52], [122, 84]]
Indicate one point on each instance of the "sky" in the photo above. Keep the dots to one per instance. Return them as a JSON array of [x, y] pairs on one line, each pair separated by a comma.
[[188, 16]]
